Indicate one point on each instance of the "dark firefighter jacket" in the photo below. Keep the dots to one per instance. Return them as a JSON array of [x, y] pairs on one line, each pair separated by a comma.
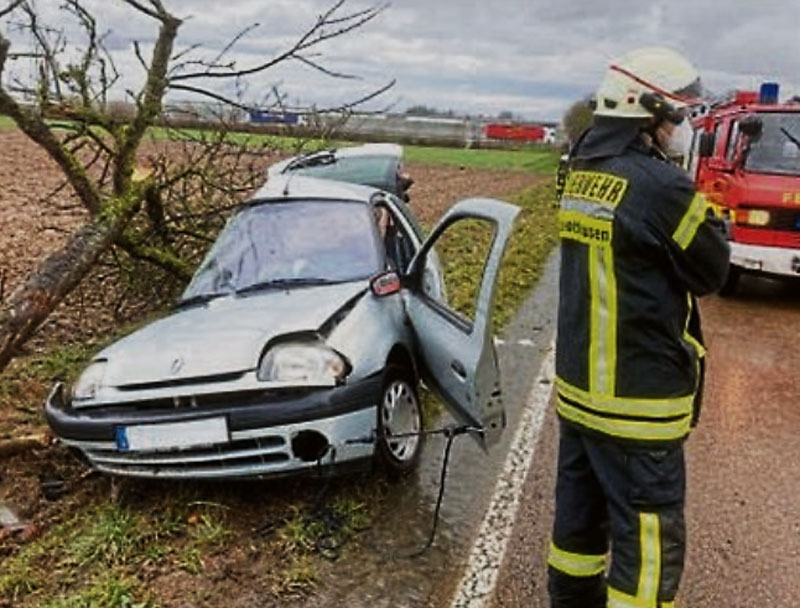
[[637, 245]]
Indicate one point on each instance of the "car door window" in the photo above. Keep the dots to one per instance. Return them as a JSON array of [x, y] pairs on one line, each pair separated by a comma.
[[400, 247], [462, 251]]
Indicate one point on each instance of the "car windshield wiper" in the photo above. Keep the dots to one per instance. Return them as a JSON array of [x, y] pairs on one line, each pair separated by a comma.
[[791, 137], [326, 157], [282, 283], [201, 298]]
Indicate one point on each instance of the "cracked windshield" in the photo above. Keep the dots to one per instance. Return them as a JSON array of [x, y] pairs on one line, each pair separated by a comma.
[[309, 242]]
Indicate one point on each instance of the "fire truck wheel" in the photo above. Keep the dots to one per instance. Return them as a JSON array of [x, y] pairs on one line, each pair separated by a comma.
[[729, 288]]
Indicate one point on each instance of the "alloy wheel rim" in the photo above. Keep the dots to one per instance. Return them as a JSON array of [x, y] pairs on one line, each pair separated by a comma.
[[401, 420]]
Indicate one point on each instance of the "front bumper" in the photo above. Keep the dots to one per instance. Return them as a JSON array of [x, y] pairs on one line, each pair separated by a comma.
[[262, 436], [770, 260]]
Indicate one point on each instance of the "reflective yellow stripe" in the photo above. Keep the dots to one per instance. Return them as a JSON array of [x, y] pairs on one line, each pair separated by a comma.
[[650, 574], [603, 339], [662, 430], [576, 564], [623, 406], [617, 599], [701, 351], [577, 226], [694, 216], [611, 322]]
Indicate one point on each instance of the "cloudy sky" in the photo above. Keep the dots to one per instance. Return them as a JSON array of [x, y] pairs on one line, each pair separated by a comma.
[[531, 57]]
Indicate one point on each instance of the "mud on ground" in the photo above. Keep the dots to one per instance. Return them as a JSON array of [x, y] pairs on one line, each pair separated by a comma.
[[163, 544]]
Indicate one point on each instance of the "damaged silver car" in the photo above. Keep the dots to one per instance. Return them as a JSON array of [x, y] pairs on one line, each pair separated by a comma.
[[299, 343]]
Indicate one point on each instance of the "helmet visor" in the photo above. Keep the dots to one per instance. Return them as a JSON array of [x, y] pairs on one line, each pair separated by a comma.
[[691, 93]]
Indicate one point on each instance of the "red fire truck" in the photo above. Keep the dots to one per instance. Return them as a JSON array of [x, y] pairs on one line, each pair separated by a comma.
[[746, 160]]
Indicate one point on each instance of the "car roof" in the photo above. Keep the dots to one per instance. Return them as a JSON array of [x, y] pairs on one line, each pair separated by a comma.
[[379, 149], [290, 186], [394, 151]]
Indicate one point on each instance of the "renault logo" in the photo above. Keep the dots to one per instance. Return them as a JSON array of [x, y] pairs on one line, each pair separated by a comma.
[[177, 365]]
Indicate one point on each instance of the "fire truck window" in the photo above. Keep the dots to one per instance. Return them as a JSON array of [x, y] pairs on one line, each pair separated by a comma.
[[730, 150], [769, 153]]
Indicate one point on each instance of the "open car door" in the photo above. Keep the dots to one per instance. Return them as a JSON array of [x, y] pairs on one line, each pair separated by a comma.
[[456, 347]]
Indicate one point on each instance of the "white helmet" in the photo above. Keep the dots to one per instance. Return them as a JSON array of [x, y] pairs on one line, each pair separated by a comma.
[[651, 81]]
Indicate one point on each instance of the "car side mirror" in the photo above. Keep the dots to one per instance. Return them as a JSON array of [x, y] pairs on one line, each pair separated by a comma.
[[385, 284], [705, 148]]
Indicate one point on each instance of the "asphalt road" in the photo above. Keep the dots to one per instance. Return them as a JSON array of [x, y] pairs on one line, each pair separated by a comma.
[[743, 509]]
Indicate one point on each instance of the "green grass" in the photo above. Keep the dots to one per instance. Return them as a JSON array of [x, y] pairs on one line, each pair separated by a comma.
[[275, 142], [325, 532], [463, 252], [94, 557], [533, 239], [107, 591], [538, 159]]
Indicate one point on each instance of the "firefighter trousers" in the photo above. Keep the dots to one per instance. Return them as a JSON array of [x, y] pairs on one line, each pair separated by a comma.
[[630, 496]]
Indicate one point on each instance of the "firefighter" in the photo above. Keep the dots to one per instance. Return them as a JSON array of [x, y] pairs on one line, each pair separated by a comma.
[[637, 247]]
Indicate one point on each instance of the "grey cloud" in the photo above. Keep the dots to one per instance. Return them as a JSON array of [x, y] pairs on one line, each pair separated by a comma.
[[481, 56]]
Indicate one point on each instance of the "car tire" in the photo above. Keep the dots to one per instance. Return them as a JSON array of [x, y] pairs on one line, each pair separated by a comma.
[[731, 283], [399, 413]]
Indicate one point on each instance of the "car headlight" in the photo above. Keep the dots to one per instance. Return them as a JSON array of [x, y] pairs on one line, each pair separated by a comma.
[[91, 379], [305, 362], [756, 217]]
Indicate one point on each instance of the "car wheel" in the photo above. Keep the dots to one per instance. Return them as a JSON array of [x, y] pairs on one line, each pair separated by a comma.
[[400, 435], [729, 287]]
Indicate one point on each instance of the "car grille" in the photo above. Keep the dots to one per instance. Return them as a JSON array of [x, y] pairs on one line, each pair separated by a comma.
[[239, 457], [197, 402], [217, 378]]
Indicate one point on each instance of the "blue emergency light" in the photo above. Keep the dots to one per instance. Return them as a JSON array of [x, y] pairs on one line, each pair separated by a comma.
[[769, 93]]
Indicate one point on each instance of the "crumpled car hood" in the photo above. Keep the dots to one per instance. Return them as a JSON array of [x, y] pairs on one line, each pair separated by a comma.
[[224, 336]]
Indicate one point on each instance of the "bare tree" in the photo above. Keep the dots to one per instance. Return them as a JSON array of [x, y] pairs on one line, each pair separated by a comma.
[[159, 212]]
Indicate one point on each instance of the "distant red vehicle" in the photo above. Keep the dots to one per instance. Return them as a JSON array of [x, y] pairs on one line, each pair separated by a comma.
[[746, 160], [515, 132]]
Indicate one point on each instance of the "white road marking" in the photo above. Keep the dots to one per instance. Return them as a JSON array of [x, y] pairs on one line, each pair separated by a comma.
[[476, 587], [523, 342]]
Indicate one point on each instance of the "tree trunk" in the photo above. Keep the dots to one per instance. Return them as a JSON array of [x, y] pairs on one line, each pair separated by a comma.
[[30, 304], [9, 447]]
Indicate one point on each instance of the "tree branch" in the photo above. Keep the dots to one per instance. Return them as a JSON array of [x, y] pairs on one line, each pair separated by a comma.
[[35, 128], [143, 9], [166, 260], [315, 35], [323, 69], [5, 11], [210, 95], [150, 106]]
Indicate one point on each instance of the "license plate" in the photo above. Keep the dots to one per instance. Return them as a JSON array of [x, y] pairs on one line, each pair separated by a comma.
[[171, 435]]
